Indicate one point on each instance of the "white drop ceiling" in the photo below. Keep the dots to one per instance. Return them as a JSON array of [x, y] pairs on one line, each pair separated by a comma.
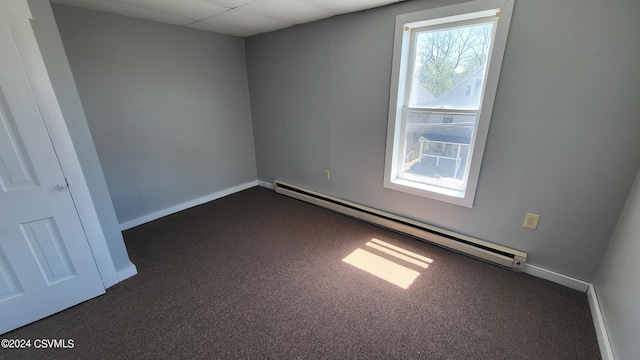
[[233, 17]]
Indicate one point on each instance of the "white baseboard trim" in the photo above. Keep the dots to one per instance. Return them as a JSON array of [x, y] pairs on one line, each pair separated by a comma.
[[606, 352], [185, 205], [555, 277], [265, 184], [127, 272]]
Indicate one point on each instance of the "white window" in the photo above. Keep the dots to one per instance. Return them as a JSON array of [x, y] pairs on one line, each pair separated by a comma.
[[437, 130]]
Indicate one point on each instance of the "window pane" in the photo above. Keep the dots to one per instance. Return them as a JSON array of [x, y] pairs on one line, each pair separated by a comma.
[[437, 147], [449, 67]]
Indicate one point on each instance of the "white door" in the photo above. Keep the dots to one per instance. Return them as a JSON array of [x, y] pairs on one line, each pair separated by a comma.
[[46, 264]]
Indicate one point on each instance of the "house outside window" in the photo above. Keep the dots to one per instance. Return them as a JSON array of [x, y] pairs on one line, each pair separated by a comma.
[[446, 66]]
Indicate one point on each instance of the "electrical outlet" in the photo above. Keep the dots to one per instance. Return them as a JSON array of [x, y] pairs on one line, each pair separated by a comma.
[[327, 175], [531, 221]]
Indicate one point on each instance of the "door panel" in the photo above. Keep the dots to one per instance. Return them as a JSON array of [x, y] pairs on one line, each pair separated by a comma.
[[48, 250], [15, 172], [9, 286], [46, 264]]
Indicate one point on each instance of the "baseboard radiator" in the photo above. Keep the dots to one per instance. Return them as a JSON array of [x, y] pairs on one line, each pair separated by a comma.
[[481, 249]]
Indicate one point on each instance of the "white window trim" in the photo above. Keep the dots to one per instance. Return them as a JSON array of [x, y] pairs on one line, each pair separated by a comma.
[[394, 131]]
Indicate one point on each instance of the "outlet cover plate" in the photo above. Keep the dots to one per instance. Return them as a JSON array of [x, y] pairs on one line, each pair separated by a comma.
[[531, 221]]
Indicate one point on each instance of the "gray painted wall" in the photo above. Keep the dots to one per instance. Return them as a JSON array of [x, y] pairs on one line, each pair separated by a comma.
[[46, 32], [617, 284], [168, 108], [563, 140]]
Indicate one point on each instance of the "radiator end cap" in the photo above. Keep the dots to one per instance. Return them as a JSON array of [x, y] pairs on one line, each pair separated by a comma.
[[518, 263]]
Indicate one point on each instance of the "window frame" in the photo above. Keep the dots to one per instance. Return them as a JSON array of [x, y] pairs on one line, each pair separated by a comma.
[[399, 89]]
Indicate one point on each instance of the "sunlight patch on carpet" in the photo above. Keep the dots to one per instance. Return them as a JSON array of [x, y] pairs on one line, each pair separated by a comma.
[[397, 271]]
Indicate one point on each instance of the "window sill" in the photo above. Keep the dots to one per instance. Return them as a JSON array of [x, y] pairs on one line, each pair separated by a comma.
[[429, 191]]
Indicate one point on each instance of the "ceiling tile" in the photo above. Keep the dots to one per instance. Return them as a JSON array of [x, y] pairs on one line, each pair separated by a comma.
[[241, 23], [128, 10], [345, 6], [222, 29], [233, 17], [291, 11], [191, 9], [230, 3]]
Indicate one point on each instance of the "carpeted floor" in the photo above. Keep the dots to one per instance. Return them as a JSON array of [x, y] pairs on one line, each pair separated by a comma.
[[257, 275]]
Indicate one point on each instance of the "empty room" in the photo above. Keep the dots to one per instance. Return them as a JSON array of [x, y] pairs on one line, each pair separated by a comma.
[[319, 179]]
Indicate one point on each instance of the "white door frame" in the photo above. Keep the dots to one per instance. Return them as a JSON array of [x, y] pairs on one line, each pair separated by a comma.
[[54, 121]]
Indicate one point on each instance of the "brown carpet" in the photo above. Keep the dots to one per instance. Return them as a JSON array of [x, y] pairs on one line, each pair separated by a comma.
[[257, 275]]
